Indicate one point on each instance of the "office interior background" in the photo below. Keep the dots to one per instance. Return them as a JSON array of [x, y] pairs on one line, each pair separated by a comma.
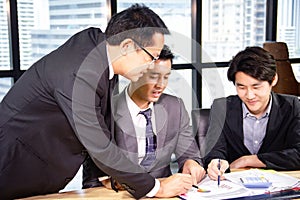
[[204, 36]]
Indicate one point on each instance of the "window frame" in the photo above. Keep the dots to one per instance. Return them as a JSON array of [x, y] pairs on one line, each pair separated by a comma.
[[271, 27]]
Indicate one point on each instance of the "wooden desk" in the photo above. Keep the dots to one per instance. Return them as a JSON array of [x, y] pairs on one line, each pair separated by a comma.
[[103, 193], [295, 174], [91, 193]]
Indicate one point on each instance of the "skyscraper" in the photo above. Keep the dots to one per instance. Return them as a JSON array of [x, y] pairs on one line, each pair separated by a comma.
[[288, 25], [231, 25]]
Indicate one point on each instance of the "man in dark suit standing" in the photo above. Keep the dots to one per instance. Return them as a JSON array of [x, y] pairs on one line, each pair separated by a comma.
[[60, 110], [257, 127], [170, 127]]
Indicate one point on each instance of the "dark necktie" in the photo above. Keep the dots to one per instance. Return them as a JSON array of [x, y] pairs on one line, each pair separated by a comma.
[[150, 140]]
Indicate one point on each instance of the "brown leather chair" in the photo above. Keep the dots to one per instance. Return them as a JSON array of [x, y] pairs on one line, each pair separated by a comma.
[[200, 122], [287, 83]]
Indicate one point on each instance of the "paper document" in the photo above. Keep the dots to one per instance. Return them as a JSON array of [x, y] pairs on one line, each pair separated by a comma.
[[208, 189], [279, 180], [232, 187]]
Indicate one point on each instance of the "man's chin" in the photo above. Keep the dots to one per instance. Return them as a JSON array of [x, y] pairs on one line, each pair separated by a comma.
[[253, 110], [154, 99]]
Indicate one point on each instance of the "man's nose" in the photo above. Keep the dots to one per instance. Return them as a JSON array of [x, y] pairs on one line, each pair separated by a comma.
[[161, 82], [250, 94]]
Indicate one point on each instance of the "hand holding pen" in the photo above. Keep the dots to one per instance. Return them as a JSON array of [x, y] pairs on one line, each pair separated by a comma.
[[219, 173], [216, 169]]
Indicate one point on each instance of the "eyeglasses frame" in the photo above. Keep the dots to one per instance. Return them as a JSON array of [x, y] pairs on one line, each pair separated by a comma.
[[147, 52]]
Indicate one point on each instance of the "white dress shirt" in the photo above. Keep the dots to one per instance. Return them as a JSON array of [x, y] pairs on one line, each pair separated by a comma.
[[141, 143], [139, 122]]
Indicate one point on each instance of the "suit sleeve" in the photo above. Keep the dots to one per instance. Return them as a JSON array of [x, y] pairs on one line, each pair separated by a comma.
[[95, 137], [187, 147], [289, 157], [82, 102], [215, 142]]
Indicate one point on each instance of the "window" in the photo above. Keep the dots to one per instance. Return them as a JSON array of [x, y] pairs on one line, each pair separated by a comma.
[[176, 15], [227, 27], [288, 25], [225, 38], [296, 70], [5, 84], [4, 40], [220, 42], [215, 85], [45, 25]]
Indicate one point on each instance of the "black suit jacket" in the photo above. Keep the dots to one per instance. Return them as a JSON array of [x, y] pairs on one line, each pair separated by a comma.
[[280, 149], [57, 109]]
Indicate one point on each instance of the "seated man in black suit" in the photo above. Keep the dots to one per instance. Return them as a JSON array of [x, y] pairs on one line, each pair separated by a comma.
[[257, 127]]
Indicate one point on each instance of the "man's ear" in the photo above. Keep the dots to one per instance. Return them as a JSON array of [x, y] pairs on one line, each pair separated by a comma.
[[126, 46], [275, 80]]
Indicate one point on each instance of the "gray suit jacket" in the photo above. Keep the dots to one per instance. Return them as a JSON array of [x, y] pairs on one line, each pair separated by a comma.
[[174, 135]]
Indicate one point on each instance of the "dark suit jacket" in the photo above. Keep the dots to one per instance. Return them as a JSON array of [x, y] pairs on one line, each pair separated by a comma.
[[57, 109], [174, 135], [280, 149]]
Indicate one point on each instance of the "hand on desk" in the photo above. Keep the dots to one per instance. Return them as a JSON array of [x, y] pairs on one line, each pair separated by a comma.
[[169, 187], [213, 170], [107, 184], [194, 169], [247, 161], [174, 185]]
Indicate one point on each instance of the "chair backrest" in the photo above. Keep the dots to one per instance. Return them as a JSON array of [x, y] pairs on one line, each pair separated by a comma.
[[287, 83], [200, 122]]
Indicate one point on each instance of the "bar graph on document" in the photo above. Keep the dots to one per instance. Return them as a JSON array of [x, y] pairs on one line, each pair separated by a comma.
[[209, 189]]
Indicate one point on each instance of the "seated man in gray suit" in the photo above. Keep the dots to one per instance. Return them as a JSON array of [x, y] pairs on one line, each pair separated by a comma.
[[170, 129]]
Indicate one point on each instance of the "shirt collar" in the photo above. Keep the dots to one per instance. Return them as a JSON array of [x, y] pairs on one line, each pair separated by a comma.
[[133, 108], [246, 112], [110, 67]]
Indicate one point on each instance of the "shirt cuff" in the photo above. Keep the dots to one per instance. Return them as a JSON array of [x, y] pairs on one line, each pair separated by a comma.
[[155, 189]]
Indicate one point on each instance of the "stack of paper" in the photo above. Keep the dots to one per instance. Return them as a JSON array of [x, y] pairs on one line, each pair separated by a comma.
[[232, 187]]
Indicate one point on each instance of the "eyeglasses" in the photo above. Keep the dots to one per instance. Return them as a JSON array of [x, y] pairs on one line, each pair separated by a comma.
[[147, 52]]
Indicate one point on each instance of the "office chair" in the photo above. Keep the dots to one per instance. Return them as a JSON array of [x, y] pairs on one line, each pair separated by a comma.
[[200, 122], [287, 83]]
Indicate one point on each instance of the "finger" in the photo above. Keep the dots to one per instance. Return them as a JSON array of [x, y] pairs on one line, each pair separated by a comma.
[[200, 174], [106, 183], [184, 171], [188, 186], [212, 175], [194, 179], [182, 191], [203, 172], [186, 177], [193, 172], [187, 182], [198, 177]]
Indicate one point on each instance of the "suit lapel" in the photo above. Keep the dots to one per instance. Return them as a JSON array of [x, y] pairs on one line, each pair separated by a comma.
[[125, 134], [272, 126], [161, 117], [235, 112]]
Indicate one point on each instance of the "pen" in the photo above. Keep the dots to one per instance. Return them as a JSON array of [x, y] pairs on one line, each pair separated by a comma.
[[219, 174], [200, 189], [195, 186]]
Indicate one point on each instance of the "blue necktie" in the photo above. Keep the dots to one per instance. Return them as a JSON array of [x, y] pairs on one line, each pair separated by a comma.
[[150, 140]]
